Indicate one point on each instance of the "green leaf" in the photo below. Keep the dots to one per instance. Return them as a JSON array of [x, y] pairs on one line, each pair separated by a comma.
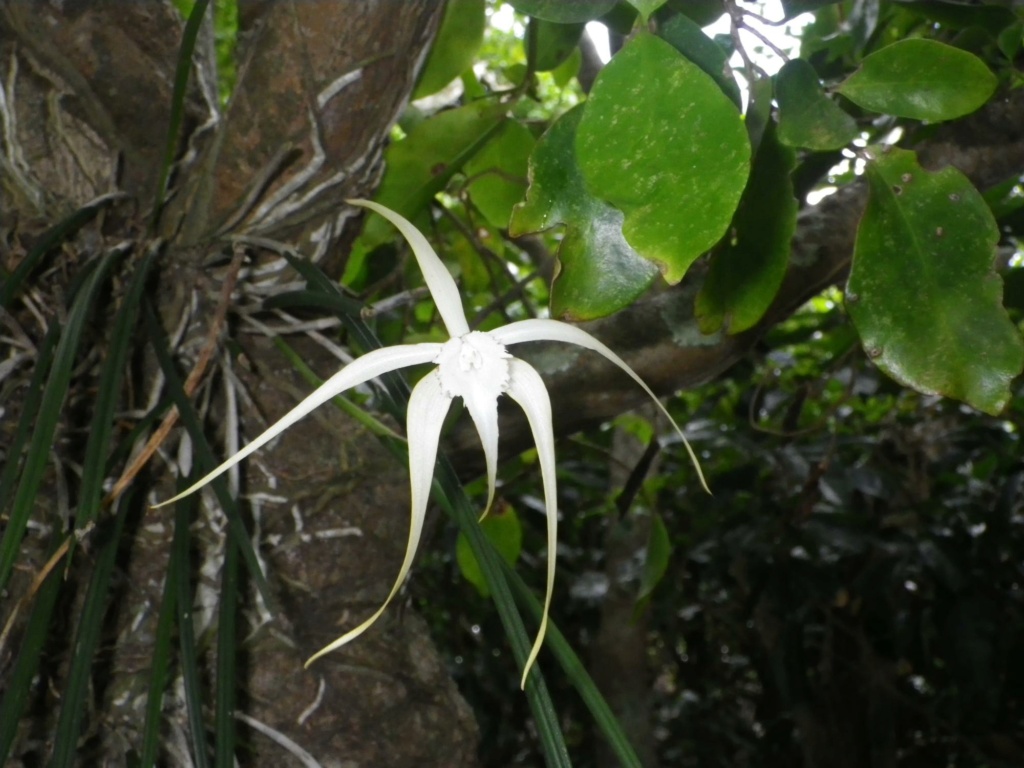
[[687, 37], [922, 291], [564, 12], [455, 47], [746, 274], [704, 12], [498, 173], [598, 273], [920, 79], [793, 8], [646, 7], [659, 552], [807, 117], [422, 164], [504, 531], [661, 142], [555, 43]]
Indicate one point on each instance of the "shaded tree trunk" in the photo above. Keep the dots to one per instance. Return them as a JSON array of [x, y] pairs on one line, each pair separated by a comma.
[[87, 94]]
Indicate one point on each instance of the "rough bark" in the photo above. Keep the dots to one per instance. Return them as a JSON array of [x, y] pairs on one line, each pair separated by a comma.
[[86, 104]]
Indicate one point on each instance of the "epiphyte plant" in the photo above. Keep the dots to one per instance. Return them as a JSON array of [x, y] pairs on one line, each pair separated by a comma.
[[475, 366]]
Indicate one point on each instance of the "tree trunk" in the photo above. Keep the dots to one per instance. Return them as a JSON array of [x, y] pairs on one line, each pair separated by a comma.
[[87, 94]]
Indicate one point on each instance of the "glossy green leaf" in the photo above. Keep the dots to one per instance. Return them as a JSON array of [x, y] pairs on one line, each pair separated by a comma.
[[555, 43], [659, 552], [746, 273], [504, 531], [922, 291], [646, 7], [793, 8], [661, 142], [455, 47], [498, 172], [564, 12], [422, 164], [759, 110], [920, 79], [598, 273], [807, 117], [687, 37], [704, 12]]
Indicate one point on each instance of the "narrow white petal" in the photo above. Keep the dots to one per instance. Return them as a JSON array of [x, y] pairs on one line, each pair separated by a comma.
[[483, 407], [527, 388], [555, 330], [439, 280], [369, 366], [428, 405]]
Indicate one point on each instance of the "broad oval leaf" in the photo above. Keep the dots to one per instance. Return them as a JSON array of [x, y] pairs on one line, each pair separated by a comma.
[[922, 291], [807, 117], [598, 273], [455, 47], [555, 43], [922, 80], [687, 37], [660, 141], [421, 165], [746, 273], [564, 12], [498, 172]]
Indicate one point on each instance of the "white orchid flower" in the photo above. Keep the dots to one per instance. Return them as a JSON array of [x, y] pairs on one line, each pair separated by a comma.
[[475, 366]]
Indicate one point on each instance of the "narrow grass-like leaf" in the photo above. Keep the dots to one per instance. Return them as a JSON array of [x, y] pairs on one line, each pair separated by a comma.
[[45, 425], [227, 657], [183, 513], [18, 680], [30, 409], [158, 667], [90, 625], [181, 75], [453, 499], [50, 239], [204, 454], [102, 424], [577, 674]]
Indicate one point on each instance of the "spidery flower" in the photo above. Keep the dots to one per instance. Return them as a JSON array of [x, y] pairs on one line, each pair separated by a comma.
[[475, 366]]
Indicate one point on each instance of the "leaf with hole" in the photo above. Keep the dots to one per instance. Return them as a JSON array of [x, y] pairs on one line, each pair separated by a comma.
[[923, 293], [661, 142]]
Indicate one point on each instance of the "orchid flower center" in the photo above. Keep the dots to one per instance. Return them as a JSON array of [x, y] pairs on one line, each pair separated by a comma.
[[473, 362]]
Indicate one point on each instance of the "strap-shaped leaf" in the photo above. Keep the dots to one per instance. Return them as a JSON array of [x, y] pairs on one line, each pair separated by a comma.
[[922, 291]]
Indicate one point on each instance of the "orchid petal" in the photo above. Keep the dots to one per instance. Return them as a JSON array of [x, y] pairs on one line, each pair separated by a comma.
[[439, 280], [482, 404], [538, 329], [527, 388], [369, 366], [428, 405]]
